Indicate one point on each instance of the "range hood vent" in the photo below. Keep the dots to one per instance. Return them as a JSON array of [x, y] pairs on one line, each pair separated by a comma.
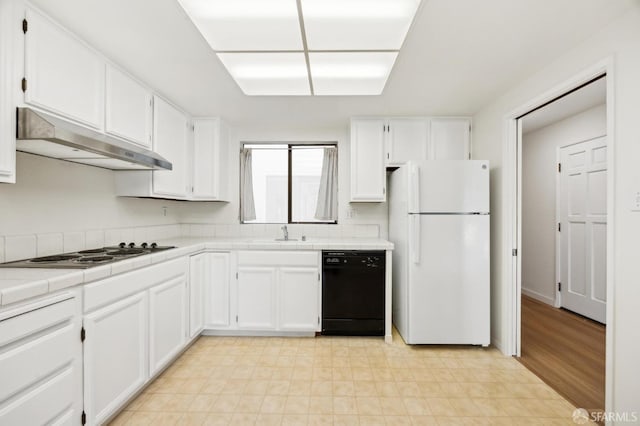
[[42, 134]]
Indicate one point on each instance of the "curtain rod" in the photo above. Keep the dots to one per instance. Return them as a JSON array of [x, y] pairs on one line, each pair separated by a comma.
[[294, 149]]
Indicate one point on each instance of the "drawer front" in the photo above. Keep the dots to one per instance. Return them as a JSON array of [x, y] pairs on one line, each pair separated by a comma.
[[52, 402], [34, 318], [31, 362], [278, 258], [107, 291]]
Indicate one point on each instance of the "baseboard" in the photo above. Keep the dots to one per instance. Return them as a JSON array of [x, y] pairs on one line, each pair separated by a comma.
[[258, 333], [497, 343], [541, 297]]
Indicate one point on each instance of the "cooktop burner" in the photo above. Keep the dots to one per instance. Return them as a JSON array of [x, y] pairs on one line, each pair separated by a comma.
[[87, 258]]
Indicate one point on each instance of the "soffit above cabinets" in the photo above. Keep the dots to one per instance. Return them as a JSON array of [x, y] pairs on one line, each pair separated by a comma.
[[305, 47]]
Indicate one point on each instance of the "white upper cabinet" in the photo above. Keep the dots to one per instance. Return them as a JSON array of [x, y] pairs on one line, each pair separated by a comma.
[[450, 138], [406, 139], [128, 108], [10, 53], [170, 141], [62, 74], [368, 175], [210, 160]]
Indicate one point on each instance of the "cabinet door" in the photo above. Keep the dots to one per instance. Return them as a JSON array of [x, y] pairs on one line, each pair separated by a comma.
[[368, 174], [450, 138], [256, 298], [199, 279], [218, 291], [63, 75], [9, 77], [167, 321], [209, 160], [115, 356], [128, 108], [299, 299], [170, 141], [407, 139]]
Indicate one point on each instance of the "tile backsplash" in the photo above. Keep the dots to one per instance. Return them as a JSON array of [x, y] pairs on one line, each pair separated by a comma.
[[17, 247]]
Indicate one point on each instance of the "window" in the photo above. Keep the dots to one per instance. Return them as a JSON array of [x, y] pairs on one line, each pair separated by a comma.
[[288, 183]]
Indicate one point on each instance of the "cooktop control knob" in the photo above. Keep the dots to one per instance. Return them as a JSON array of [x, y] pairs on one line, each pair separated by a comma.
[[132, 245], [154, 245], [144, 245], [122, 245]]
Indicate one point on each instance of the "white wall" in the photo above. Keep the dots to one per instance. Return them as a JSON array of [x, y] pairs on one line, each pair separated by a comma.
[[621, 41], [228, 213], [57, 196], [539, 158]]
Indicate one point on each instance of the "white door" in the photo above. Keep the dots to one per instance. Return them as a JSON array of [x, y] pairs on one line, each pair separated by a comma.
[[450, 138], [368, 173], [256, 297], [170, 141], [199, 279], [217, 291], [407, 139], [299, 299], [448, 293], [167, 322], [115, 356], [63, 75], [128, 108], [582, 211]]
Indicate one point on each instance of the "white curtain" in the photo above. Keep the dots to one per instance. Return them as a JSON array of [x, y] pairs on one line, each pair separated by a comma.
[[247, 205], [327, 207]]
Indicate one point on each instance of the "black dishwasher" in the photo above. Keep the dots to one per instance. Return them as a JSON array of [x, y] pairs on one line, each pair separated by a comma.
[[353, 284]]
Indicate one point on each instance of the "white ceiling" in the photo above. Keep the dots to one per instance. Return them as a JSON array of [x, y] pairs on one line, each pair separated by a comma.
[[458, 56], [581, 100]]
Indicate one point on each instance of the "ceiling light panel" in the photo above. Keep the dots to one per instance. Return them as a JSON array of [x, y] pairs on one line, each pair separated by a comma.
[[357, 24], [263, 74], [350, 73], [246, 25]]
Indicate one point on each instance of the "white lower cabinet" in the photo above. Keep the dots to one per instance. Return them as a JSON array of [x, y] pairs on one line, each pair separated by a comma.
[[115, 355], [41, 362], [135, 324], [299, 299], [278, 291], [218, 291], [199, 276], [256, 292], [167, 321]]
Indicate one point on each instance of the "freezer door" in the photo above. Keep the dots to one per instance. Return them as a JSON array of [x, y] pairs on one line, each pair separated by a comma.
[[454, 186], [449, 280]]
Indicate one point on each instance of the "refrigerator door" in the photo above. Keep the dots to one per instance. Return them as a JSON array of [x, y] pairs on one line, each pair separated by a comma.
[[449, 186], [449, 280]]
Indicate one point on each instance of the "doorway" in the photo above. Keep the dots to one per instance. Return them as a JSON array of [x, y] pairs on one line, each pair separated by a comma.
[[563, 242]]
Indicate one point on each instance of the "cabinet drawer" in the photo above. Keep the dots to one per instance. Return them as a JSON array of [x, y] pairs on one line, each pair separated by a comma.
[[24, 365], [278, 258], [52, 402], [104, 292], [34, 318]]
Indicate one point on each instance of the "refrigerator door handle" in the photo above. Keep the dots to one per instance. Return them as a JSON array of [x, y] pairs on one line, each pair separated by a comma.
[[415, 237], [414, 185]]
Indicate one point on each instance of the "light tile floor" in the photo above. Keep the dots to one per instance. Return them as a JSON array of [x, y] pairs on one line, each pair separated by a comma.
[[343, 381]]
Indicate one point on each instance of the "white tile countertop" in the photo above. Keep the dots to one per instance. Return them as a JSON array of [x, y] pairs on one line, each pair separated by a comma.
[[18, 284]]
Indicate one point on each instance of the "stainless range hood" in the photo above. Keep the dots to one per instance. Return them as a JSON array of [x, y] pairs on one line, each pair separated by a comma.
[[42, 134]]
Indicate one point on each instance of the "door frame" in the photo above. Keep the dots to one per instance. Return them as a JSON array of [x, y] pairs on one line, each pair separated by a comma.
[[512, 212]]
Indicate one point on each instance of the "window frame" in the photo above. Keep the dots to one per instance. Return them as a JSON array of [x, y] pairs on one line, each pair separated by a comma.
[[289, 148]]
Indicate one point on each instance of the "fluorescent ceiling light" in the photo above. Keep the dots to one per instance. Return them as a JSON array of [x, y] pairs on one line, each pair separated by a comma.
[[348, 73], [230, 25], [357, 24], [268, 73], [273, 47]]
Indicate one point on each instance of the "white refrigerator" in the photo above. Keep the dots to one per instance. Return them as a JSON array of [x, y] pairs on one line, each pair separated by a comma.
[[439, 224]]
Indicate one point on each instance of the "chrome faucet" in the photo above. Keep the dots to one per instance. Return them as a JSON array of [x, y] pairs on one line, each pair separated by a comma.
[[285, 232]]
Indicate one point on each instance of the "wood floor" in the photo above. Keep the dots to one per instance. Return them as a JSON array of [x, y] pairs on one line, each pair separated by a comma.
[[567, 351]]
